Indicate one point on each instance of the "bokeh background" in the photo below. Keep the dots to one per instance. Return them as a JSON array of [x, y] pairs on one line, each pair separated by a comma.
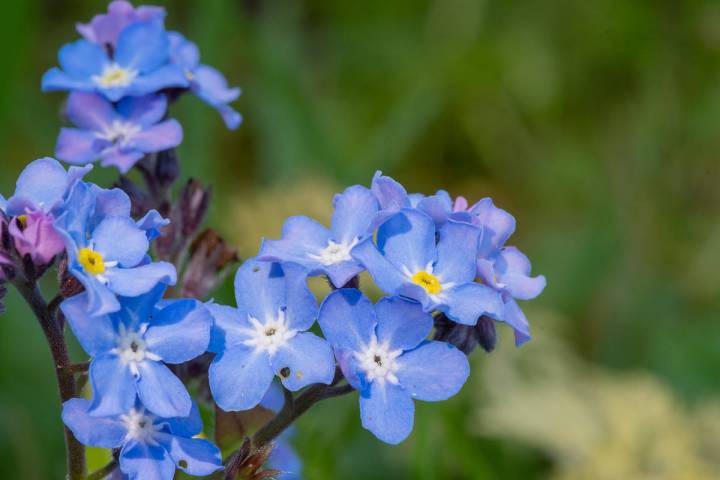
[[597, 124]]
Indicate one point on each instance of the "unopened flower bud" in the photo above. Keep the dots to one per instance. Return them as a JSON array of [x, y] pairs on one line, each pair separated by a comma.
[[461, 336], [69, 285], [194, 202], [486, 334], [34, 234], [167, 168], [210, 259]]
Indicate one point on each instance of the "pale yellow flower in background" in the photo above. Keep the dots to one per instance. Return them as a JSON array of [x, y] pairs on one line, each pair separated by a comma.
[[595, 424]]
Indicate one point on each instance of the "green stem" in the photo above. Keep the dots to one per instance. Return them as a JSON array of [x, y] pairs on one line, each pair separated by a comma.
[[103, 472]]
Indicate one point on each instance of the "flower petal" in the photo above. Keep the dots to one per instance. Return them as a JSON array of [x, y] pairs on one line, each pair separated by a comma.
[[513, 270], [457, 251], [390, 194], [164, 77], [192, 455], [161, 392], [102, 432], [301, 236], [347, 319], [142, 46], [146, 110], [308, 358], [355, 209], [123, 160], [260, 288], [467, 302], [180, 331], [387, 276], [95, 334], [43, 182], [497, 225], [230, 327], [55, 79], [82, 59], [515, 317], [113, 386], [433, 372], [387, 411], [239, 378], [302, 307], [163, 136], [139, 460], [188, 426], [407, 239], [90, 111], [402, 323], [79, 147], [119, 239]]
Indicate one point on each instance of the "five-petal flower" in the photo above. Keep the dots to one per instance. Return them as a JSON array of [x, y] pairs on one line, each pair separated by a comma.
[[383, 353], [265, 336], [151, 446], [119, 135], [130, 348], [327, 251]]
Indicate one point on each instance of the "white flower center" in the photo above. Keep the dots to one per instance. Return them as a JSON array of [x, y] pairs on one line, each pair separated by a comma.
[[140, 426], [114, 75], [119, 132], [379, 362], [271, 335], [335, 252], [132, 348]]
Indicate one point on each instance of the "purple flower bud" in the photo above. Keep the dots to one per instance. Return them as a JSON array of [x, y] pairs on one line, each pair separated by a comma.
[[167, 168], [467, 337], [34, 234], [486, 334], [194, 202], [210, 258]]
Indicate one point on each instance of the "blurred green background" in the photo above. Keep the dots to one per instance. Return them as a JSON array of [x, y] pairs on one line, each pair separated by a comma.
[[595, 123]]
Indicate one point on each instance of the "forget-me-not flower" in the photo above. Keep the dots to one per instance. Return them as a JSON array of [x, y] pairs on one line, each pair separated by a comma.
[[118, 135], [151, 446], [104, 29], [407, 261], [208, 84], [266, 335], [107, 250], [139, 65], [130, 348], [327, 251], [384, 353]]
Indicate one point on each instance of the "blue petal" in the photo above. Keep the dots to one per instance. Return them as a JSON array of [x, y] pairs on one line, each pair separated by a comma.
[[274, 398], [101, 300], [139, 460], [90, 111], [434, 371], [301, 237], [347, 319], [407, 239], [515, 317], [212, 86], [143, 47], [188, 426], [121, 159], [194, 456], [467, 302], [438, 206], [513, 270], [130, 250], [284, 459], [387, 411], [161, 392], [402, 323], [102, 432], [230, 327], [183, 52], [132, 282], [239, 378], [387, 276], [497, 225], [164, 77], [111, 202], [95, 334], [79, 147], [457, 251], [43, 183], [146, 110], [152, 224], [341, 273], [113, 386], [163, 136], [180, 331], [82, 59], [355, 209], [260, 288], [55, 79], [301, 304], [390, 194], [309, 359]]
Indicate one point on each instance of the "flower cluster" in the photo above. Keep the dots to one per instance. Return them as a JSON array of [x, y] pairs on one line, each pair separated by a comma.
[[121, 75], [443, 266]]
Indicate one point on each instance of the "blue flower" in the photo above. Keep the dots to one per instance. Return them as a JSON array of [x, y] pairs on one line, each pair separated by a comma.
[[384, 354], [119, 135], [130, 348], [151, 446], [206, 82], [503, 268], [407, 261], [105, 28], [42, 187], [327, 251], [107, 250], [266, 336], [138, 66]]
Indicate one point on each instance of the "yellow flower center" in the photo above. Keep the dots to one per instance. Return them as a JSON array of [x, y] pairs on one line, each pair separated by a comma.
[[22, 220], [114, 76], [428, 281], [91, 261]]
